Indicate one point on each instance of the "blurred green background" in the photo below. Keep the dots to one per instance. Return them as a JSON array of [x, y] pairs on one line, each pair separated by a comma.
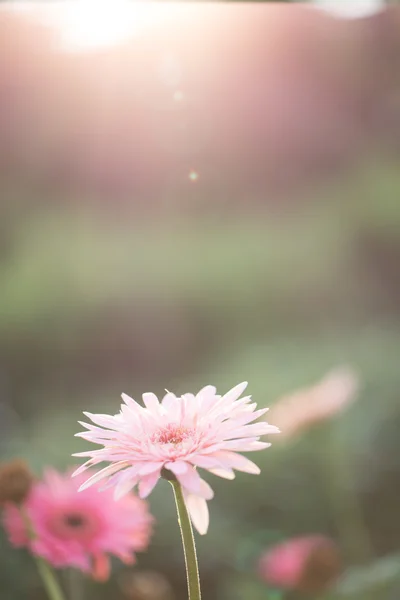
[[275, 286]]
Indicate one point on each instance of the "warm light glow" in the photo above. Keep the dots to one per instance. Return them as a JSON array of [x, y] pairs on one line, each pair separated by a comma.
[[93, 24], [351, 9], [193, 175], [178, 96]]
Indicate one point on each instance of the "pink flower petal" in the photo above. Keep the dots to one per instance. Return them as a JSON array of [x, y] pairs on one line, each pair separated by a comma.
[[193, 483], [207, 391], [243, 446], [85, 466], [205, 462], [206, 490], [150, 467], [105, 433], [103, 473], [102, 420], [93, 453], [251, 430], [206, 397], [124, 487], [190, 480], [235, 392], [224, 473], [249, 416], [170, 406], [121, 476], [170, 401], [101, 567], [178, 466], [238, 462], [147, 484], [198, 511], [130, 401], [151, 401]]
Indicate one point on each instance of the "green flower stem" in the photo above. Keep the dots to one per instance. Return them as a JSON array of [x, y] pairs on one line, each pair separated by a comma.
[[50, 582], [346, 507], [74, 584], [189, 548]]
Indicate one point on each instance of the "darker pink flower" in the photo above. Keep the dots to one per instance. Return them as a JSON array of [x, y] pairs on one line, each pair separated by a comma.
[[309, 564], [79, 529], [174, 437]]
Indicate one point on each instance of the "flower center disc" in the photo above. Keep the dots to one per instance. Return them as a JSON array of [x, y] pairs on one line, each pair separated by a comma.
[[74, 524], [74, 520], [172, 434]]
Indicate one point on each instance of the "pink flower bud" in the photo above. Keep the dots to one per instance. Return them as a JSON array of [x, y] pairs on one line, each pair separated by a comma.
[[309, 564]]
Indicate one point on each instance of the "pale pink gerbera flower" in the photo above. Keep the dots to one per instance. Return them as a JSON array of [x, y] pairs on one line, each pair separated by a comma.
[[79, 530], [173, 438]]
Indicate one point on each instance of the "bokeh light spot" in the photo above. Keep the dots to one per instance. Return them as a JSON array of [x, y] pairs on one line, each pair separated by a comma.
[[178, 96], [193, 175]]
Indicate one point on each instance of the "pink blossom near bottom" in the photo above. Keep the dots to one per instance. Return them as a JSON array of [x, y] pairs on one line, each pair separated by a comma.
[[173, 438], [80, 530], [308, 563]]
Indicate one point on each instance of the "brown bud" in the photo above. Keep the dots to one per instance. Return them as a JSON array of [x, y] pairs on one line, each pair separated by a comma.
[[321, 569], [145, 585], [15, 481]]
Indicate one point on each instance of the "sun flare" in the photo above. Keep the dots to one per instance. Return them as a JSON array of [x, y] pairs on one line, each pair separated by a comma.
[[93, 24]]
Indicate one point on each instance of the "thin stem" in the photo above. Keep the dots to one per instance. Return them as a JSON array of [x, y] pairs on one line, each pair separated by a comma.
[[49, 580], [75, 585], [345, 504], [189, 548]]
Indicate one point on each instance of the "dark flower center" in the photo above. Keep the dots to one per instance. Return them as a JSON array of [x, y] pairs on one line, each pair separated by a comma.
[[74, 520]]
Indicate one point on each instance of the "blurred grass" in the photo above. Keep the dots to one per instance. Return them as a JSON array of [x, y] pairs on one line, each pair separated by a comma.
[[72, 263]]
